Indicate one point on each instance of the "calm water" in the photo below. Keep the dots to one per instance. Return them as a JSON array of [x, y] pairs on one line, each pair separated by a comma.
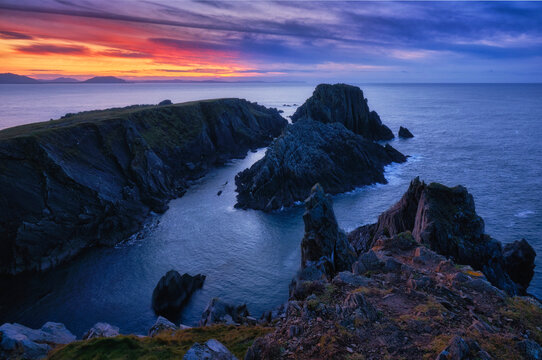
[[486, 137]]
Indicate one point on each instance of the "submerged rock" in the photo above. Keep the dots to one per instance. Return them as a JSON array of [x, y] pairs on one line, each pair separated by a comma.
[[101, 330], [20, 342], [309, 152], [404, 133], [345, 104], [173, 291], [445, 219], [211, 350], [218, 311], [93, 178]]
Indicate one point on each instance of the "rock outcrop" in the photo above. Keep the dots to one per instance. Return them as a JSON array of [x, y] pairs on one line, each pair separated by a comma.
[[404, 133], [445, 220], [212, 349], [161, 325], [324, 244], [93, 178], [310, 152], [173, 291], [220, 312], [20, 342], [345, 104], [101, 330]]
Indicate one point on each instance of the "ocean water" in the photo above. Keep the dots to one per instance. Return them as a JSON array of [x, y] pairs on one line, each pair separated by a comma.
[[486, 137]]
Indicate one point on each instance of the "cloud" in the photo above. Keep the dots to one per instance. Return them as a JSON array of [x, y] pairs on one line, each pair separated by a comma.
[[124, 54], [53, 49], [12, 35]]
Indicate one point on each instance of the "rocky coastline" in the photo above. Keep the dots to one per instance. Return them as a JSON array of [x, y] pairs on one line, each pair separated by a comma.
[[93, 178]]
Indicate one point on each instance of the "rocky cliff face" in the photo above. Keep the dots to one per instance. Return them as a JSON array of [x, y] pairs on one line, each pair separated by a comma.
[[345, 104], [445, 220], [92, 178], [311, 152]]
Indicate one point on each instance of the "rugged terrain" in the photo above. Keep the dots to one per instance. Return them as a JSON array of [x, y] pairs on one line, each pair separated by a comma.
[[93, 178]]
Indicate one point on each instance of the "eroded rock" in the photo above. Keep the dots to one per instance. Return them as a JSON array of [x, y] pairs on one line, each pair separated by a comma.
[[173, 291]]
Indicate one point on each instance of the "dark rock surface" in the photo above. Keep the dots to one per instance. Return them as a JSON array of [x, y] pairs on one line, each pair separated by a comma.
[[307, 153], [404, 133], [93, 178], [211, 350], [101, 330], [445, 219], [220, 312], [345, 104], [173, 291]]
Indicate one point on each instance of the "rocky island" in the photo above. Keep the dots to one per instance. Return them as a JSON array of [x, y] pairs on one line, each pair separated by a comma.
[[93, 178], [385, 295], [330, 142]]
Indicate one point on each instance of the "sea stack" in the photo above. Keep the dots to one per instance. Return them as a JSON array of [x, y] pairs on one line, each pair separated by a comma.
[[404, 133]]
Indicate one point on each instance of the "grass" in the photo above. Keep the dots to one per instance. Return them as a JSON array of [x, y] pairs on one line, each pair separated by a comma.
[[525, 316], [164, 346]]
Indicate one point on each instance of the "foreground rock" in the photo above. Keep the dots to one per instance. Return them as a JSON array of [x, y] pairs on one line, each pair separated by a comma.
[[93, 178], [445, 220], [161, 325], [345, 104], [173, 291], [405, 302], [101, 330], [211, 350], [220, 312], [404, 133], [19, 342], [311, 152]]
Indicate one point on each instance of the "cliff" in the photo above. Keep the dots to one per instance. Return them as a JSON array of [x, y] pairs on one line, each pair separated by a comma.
[[92, 178], [345, 104]]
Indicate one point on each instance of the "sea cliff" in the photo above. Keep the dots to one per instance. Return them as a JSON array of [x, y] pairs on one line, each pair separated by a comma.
[[93, 178]]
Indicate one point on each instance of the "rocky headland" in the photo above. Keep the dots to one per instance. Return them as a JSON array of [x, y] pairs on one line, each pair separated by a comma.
[[386, 296], [93, 178], [331, 142]]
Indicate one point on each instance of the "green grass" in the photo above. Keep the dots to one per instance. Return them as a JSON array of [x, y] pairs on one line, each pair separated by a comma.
[[164, 346]]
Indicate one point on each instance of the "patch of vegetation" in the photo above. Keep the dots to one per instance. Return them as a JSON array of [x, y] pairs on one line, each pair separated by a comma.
[[438, 344], [525, 315], [164, 346], [499, 346]]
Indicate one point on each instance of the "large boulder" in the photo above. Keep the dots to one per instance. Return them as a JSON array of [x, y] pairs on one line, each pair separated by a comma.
[[404, 133], [101, 330], [173, 291], [445, 220], [309, 152], [324, 242], [221, 312], [345, 104], [20, 342], [211, 350]]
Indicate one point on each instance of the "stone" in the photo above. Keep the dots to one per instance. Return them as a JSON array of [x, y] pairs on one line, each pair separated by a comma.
[[530, 349], [20, 342], [218, 311], [162, 324], [211, 350], [173, 291], [348, 278], [310, 152], [404, 133], [367, 262], [345, 104], [519, 259], [101, 330]]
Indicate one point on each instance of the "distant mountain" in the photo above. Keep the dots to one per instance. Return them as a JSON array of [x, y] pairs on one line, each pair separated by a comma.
[[9, 78], [62, 80], [104, 80]]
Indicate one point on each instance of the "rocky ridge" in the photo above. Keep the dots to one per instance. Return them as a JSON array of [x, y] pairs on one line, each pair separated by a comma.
[[93, 178]]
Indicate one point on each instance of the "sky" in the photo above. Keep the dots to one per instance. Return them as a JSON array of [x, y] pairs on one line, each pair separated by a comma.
[[273, 41]]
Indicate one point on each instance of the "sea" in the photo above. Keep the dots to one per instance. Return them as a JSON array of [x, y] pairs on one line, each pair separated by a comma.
[[487, 137]]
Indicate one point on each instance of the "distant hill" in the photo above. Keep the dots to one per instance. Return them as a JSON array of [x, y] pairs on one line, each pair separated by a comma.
[[62, 80], [104, 80], [9, 78]]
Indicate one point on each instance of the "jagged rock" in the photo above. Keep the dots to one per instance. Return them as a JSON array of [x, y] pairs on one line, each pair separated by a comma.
[[324, 242], [93, 178], [218, 311], [309, 152], [367, 262], [459, 349], [211, 350], [404, 133], [345, 104], [519, 262], [346, 277], [530, 349], [445, 219], [101, 330], [20, 342], [162, 324], [173, 291]]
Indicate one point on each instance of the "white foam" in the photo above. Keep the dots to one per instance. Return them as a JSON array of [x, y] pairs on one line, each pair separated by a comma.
[[524, 213]]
